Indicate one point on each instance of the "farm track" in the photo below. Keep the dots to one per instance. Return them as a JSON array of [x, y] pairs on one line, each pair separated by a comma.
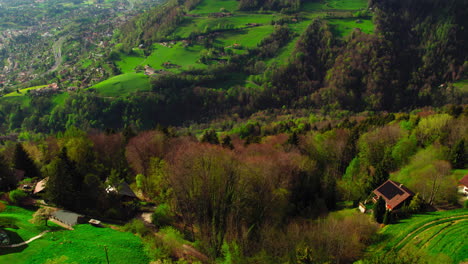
[[426, 227]]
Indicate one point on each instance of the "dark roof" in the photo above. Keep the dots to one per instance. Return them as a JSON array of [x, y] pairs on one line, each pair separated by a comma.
[[67, 217], [124, 189], [464, 180], [393, 193], [19, 175]]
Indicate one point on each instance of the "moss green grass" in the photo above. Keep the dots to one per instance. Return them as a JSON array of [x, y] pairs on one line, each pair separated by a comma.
[[214, 6], [85, 244], [123, 84], [344, 26]]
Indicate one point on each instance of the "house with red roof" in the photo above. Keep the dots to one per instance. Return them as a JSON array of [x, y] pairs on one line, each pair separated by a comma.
[[463, 187], [394, 194]]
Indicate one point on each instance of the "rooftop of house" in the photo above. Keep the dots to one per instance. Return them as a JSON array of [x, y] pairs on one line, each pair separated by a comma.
[[40, 186], [67, 217], [393, 193], [464, 180], [123, 189]]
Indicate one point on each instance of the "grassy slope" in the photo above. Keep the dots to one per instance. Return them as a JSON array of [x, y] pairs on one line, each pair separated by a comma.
[[213, 6], [130, 81], [344, 26], [432, 233], [123, 84], [85, 244]]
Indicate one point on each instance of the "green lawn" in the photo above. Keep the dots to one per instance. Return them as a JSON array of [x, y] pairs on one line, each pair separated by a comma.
[[85, 244], [127, 63], [123, 84], [432, 233], [24, 91], [462, 86], [248, 38], [176, 54], [343, 27], [314, 6], [214, 6], [204, 24]]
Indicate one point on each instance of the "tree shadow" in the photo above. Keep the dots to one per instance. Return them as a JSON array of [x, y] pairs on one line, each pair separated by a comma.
[[14, 239]]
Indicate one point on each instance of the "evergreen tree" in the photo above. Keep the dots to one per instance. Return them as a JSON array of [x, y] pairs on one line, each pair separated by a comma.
[[210, 137], [379, 210], [226, 142], [60, 189], [22, 161], [458, 155], [387, 219], [293, 139], [7, 180]]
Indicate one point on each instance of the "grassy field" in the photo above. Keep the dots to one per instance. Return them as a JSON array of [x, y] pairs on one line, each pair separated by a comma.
[[24, 91], [462, 86], [85, 244], [214, 6], [344, 26], [334, 5], [246, 38], [123, 84], [431, 234]]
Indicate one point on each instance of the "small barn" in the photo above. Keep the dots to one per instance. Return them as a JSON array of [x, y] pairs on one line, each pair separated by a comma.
[[68, 218], [395, 194]]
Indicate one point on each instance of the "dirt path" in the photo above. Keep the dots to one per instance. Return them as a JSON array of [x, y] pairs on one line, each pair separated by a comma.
[[419, 229], [27, 241]]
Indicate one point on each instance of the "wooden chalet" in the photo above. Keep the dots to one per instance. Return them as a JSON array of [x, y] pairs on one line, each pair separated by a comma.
[[394, 194]]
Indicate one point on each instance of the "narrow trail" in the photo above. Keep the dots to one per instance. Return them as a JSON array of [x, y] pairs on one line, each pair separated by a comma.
[[27, 241], [57, 50]]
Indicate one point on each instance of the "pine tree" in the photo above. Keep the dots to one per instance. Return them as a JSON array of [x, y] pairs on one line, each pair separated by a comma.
[[226, 142], [379, 210], [7, 180], [387, 219], [458, 156], [22, 161], [60, 189]]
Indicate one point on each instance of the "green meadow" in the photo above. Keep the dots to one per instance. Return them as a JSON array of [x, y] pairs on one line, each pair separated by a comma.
[[214, 6], [85, 244], [344, 26], [123, 84]]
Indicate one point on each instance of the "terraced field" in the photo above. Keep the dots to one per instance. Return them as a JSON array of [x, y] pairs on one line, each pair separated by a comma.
[[432, 234]]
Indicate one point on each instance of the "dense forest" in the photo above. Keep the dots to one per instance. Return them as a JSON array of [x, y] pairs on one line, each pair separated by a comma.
[[247, 194], [397, 68]]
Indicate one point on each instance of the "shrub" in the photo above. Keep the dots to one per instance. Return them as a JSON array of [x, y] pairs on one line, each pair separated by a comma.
[[137, 227], [465, 205], [16, 196], [162, 215]]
